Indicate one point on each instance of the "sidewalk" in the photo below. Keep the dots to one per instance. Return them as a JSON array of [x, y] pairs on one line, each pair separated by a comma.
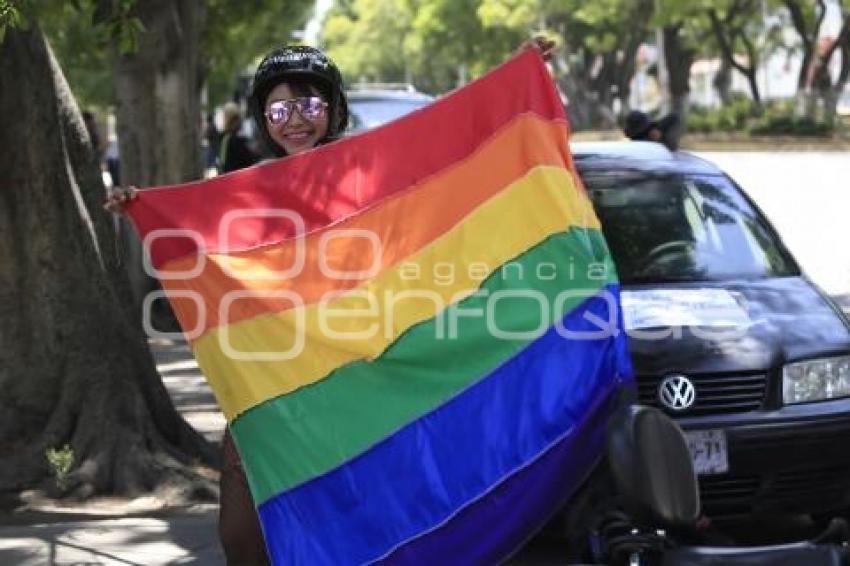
[[189, 537], [138, 541]]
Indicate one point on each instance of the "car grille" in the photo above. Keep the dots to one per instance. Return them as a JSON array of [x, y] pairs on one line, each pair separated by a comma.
[[715, 393], [728, 495], [811, 490]]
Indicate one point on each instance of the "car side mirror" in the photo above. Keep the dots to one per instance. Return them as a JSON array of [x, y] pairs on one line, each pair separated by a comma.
[[652, 468]]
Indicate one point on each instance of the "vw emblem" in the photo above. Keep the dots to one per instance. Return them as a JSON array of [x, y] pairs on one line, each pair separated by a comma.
[[677, 392]]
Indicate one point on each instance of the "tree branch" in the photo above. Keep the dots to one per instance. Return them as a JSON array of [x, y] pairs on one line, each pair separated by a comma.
[[841, 41], [751, 51], [723, 41], [798, 19]]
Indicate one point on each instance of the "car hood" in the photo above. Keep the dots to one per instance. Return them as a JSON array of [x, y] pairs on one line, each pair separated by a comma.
[[778, 320]]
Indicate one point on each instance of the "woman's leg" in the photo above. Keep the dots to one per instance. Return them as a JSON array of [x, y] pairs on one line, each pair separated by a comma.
[[238, 524]]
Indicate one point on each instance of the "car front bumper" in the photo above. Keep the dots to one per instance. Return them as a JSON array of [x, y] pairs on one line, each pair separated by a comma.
[[793, 459]]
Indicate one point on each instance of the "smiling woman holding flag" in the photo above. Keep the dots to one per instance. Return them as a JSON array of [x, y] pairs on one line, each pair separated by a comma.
[[398, 445], [298, 102]]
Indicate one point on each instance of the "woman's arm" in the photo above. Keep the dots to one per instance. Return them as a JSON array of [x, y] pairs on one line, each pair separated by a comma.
[[543, 45]]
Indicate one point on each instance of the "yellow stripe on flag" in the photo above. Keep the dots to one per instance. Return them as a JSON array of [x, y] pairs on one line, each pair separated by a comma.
[[260, 358]]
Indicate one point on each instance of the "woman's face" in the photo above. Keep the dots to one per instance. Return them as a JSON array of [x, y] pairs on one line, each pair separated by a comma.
[[298, 133]]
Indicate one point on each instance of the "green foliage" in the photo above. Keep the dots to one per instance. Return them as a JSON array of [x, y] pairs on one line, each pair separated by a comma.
[[236, 33], [82, 50], [239, 32], [733, 116], [61, 461], [366, 39], [80, 33], [450, 43], [433, 43], [743, 116], [117, 19], [10, 16], [788, 125]]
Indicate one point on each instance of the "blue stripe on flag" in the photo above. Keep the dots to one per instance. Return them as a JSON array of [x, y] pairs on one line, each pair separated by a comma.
[[414, 483]]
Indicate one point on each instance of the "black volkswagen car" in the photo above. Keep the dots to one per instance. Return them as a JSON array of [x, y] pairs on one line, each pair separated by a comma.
[[726, 333]]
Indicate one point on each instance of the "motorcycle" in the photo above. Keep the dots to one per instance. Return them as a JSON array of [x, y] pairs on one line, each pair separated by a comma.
[[658, 518]]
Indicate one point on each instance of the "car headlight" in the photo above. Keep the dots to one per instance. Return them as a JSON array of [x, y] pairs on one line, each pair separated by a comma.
[[816, 380]]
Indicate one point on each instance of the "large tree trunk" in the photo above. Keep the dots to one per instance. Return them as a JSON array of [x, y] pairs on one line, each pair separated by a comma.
[[583, 108], [74, 368], [678, 59], [830, 93], [722, 81], [636, 34], [831, 110], [726, 32], [158, 89], [806, 97]]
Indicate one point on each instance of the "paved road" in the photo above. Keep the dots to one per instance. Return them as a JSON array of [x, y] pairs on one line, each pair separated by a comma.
[[806, 195]]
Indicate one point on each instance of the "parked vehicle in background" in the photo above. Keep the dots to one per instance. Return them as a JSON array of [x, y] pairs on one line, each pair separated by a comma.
[[725, 332], [373, 105]]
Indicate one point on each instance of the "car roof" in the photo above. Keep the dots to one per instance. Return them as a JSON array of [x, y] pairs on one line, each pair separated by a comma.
[[637, 156]]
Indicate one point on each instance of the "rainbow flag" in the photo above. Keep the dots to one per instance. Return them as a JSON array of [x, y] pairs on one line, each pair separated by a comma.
[[413, 332]]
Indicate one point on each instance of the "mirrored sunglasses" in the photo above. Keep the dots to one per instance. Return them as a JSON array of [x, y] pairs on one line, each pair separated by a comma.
[[310, 107]]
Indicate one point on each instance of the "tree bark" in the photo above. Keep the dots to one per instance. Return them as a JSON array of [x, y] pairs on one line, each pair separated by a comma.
[[726, 32], [806, 104], [751, 70], [844, 71], [679, 59], [158, 89], [722, 81], [830, 92], [74, 366]]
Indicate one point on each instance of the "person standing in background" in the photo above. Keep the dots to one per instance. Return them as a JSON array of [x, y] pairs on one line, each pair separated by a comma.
[[235, 152], [212, 137]]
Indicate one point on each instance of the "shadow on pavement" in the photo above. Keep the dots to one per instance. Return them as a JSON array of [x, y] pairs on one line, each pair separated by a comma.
[[177, 540]]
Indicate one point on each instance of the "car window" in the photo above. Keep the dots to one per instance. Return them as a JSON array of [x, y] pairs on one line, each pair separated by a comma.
[[372, 112], [683, 228]]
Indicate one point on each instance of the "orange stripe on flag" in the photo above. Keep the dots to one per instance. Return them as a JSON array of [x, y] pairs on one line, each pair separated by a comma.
[[401, 226]]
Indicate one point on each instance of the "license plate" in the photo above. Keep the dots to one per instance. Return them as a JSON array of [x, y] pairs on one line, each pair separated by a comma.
[[708, 451]]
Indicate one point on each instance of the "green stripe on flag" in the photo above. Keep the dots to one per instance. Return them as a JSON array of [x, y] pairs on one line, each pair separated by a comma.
[[292, 438]]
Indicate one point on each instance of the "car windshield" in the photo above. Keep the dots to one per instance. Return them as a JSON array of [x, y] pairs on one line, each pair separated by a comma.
[[372, 112], [683, 228]]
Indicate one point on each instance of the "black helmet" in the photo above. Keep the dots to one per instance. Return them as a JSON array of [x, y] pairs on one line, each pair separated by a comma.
[[292, 63], [638, 125]]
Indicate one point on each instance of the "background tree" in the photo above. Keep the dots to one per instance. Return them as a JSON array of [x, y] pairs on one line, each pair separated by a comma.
[[599, 42], [434, 44], [828, 88], [237, 33], [74, 366], [158, 83], [82, 49], [451, 43], [814, 80], [736, 25], [683, 32], [678, 58], [159, 77], [366, 40]]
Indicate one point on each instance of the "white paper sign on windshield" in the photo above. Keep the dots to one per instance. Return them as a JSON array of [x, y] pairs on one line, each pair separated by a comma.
[[657, 308]]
